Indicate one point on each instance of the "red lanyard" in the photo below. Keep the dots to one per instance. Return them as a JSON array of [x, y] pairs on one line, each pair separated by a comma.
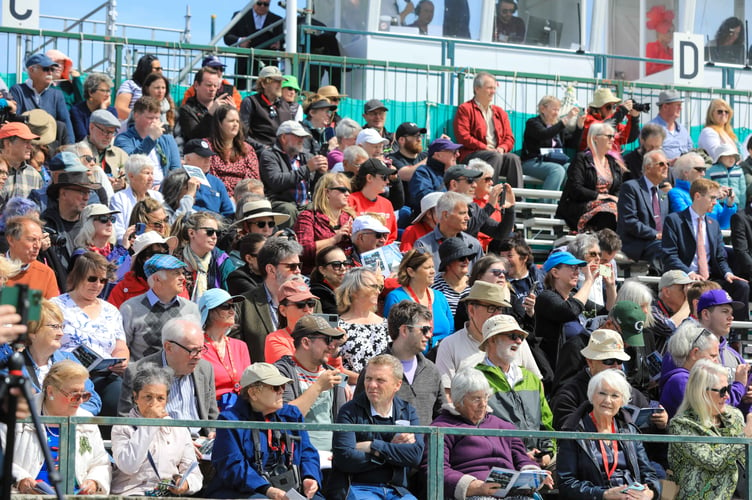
[[231, 370], [415, 297], [614, 448]]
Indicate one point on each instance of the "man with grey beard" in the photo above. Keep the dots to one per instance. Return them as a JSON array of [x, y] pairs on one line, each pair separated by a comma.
[[258, 315], [517, 395], [289, 173]]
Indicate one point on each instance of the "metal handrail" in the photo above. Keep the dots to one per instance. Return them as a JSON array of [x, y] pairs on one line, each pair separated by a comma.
[[434, 439]]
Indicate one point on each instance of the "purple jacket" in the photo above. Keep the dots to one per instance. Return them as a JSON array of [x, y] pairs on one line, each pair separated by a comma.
[[476, 455]]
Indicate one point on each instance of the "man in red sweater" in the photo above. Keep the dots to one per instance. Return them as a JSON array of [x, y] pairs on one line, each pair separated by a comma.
[[484, 132]]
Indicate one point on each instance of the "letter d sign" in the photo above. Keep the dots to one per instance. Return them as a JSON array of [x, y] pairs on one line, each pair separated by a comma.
[[21, 14], [689, 59]]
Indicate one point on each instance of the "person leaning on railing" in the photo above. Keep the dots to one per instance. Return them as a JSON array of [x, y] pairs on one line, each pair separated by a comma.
[[704, 470]]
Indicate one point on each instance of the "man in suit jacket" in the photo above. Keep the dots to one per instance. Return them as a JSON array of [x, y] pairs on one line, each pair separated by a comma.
[[256, 20], [192, 395], [278, 261], [681, 250], [638, 224]]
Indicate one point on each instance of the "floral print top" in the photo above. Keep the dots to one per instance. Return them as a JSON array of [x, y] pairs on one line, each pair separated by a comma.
[[100, 334], [363, 343]]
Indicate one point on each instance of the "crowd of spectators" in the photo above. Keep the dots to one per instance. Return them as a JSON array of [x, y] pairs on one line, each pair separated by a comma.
[[227, 260]]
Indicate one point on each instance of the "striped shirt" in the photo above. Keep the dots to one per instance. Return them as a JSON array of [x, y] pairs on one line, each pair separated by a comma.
[[452, 296]]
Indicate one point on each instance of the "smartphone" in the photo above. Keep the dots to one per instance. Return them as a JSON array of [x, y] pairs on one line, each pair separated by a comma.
[[226, 89], [633, 487], [140, 228], [27, 301], [503, 197], [605, 270]]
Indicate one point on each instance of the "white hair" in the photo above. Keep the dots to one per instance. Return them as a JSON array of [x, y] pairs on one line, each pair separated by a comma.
[[614, 378]]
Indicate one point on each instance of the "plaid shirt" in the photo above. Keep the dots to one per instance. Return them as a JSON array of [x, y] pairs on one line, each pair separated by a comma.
[[21, 182]]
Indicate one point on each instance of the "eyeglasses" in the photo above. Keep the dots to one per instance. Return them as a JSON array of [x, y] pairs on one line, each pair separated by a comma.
[[327, 339], [490, 308], [210, 231], [661, 164], [498, 272], [702, 170], [4, 173], [261, 224], [75, 397], [104, 91], [159, 224], [722, 392], [94, 279], [378, 236], [337, 264], [262, 4], [722, 112], [106, 131], [514, 337], [610, 136], [87, 158], [104, 219], [703, 333], [488, 179], [304, 303], [477, 399], [291, 266], [424, 330], [194, 353], [375, 286], [341, 189], [55, 326], [611, 361], [226, 306]]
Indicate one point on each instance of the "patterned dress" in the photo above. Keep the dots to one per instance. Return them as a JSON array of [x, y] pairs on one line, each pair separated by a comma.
[[703, 470], [232, 172], [363, 343], [602, 186], [99, 334]]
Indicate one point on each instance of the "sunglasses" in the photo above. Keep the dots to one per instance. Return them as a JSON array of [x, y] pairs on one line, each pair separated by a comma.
[[76, 397], [292, 266], [424, 330], [262, 4], [341, 189], [226, 306], [194, 353], [304, 303], [610, 136], [722, 392], [328, 340], [593, 255], [384, 176], [276, 388], [661, 164], [722, 112], [514, 337], [159, 223], [94, 279], [490, 308], [498, 272], [210, 231], [702, 333], [261, 224], [464, 258], [611, 361], [104, 219], [336, 264], [702, 170], [610, 107], [88, 158], [379, 236]]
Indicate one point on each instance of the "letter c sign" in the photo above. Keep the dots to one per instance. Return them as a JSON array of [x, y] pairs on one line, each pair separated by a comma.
[[21, 14]]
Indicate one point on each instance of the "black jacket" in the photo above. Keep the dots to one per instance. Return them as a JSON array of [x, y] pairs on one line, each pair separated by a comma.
[[741, 239], [325, 294], [539, 135], [261, 119], [280, 178], [194, 120], [580, 468], [580, 187]]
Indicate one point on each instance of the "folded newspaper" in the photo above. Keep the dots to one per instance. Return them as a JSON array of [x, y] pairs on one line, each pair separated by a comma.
[[514, 480]]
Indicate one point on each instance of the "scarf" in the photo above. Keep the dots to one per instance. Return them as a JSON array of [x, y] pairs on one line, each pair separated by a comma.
[[201, 266]]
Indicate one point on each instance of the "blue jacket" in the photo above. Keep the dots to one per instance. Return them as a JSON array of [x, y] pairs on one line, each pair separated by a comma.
[[94, 405], [167, 149], [233, 454], [679, 199], [214, 198], [730, 177], [428, 178], [394, 460], [51, 100]]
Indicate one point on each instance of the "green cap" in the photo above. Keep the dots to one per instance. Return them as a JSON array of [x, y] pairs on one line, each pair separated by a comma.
[[290, 82], [631, 318]]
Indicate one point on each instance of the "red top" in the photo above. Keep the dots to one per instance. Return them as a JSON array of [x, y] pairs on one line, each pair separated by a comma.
[[231, 173], [484, 239], [622, 133], [381, 206], [227, 371], [311, 227], [656, 50], [411, 234], [470, 129], [129, 287]]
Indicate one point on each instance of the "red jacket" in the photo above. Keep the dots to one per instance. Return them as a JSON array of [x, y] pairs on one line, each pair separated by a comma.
[[130, 286], [470, 129]]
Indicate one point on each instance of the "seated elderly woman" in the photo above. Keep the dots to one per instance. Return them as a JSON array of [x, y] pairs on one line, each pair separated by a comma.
[[63, 392], [251, 463], [97, 234], [469, 459], [688, 345], [605, 468], [140, 172], [153, 459], [704, 470]]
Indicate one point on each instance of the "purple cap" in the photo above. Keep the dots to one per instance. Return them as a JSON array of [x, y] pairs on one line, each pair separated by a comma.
[[713, 298], [442, 145]]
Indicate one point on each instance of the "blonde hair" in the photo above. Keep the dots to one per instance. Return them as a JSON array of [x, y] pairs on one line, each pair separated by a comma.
[[352, 282], [320, 200], [63, 371], [703, 376], [49, 312], [710, 121], [8, 268]]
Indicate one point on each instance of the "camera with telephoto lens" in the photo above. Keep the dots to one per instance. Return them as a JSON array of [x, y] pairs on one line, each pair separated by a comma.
[[641, 107], [56, 239]]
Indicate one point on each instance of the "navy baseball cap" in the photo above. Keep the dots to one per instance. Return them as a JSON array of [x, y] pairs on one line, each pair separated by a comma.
[[213, 62], [40, 60]]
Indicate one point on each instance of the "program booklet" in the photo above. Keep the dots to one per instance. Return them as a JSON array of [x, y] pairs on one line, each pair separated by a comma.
[[512, 480], [384, 259], [197, 173], [641, 416], [92, 360]]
